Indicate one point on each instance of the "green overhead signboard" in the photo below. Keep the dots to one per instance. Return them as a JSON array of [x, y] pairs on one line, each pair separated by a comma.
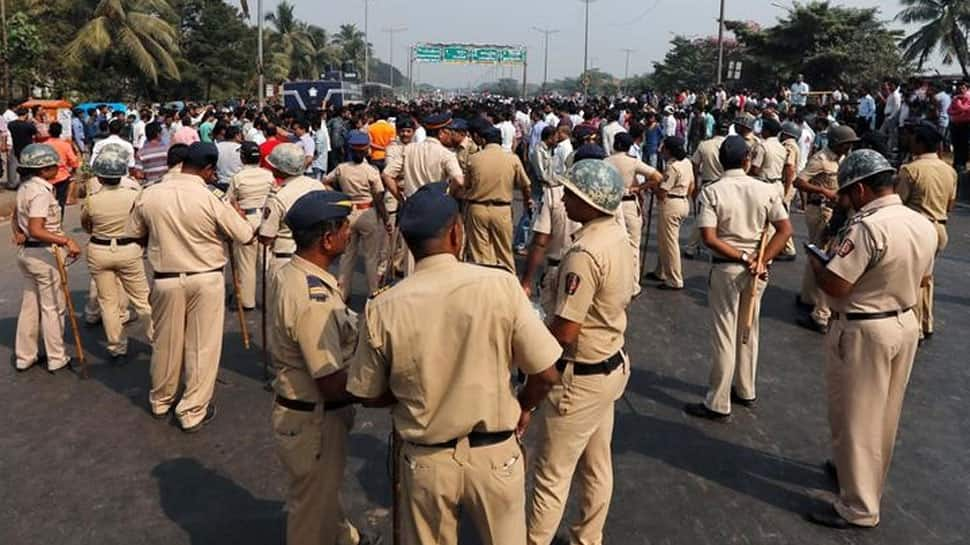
[[464, 54]]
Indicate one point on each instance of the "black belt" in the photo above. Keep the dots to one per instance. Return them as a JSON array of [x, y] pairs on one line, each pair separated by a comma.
[[309, 406], [629, 197], [107, 241], [814, 202], [249, 211], [475, 439], [601, 368], [550, 262], [720, 260], [856, 316], [36, 244], [282, 255], [941, 222], [489, 203], [676, 196], [162, 275]]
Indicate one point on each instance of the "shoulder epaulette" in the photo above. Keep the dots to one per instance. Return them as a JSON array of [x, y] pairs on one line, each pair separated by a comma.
[[317, 289]]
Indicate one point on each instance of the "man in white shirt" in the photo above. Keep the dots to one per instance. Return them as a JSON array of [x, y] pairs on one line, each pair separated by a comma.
[[229, 140], [507, 129], [799, 92], [943, 101], [612, 129], [562, 152], [669, 123], [302, 131], [867, 110], [322, 140], [114, 130], [892, 111]]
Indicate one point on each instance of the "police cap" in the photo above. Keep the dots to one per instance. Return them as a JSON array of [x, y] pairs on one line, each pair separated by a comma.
[[404, 122], [358, 140], [317, 207], [459, 124], [427, 212], [437, 121], [733, 150], [249, 152], [202, 155], [589, 150]]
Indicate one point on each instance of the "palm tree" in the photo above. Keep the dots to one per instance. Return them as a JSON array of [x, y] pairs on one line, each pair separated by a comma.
[[293, 45], [944, 30], [350, 42], [137, 29]]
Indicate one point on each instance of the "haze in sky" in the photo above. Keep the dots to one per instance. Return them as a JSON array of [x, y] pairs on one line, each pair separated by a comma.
[[644, 25]]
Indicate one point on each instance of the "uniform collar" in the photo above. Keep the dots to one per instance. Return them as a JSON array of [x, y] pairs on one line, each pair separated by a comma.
[[313, 270], [882, 202], [493, 146], [183, 177], [926, 156], [47, 185], [830, 155], [434, 262], [594, 225], [434, 140], [735, 173]]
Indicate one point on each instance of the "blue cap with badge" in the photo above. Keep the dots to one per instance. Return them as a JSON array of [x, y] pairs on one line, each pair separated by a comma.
[[317, 207], [437, 121], [359, 140], [459, 124], [424, 214]]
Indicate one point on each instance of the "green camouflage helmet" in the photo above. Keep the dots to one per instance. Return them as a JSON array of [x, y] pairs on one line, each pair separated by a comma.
[[597, 183], [745, 120], [39, 156], [288, 159], [862, 164], [111, 162]]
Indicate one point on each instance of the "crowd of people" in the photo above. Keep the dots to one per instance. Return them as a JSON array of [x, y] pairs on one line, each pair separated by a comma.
[[424, 193]]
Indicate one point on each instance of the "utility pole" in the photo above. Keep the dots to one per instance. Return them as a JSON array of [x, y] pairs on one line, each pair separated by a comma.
[[545, 63], [261, 77], [6, 59], [720, 44], [367, 41], [586, 51], [391, 31], [626, 70]]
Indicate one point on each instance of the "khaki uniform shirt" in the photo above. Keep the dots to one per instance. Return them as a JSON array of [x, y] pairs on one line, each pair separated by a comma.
[[927, 185], [493, 173], [706, 159], [553, 221], [250, 187], [594, 289], [629, 168], [465, 150], [108, 210], [444, 341], [36, 199], [278, 204], [885, 251], [822, 169], [360, 181], [395, 151], [678, 177], [541, 159], [186, 225], [94, 184], [739, 206], [312, 333], [793, 154], [423, 163], [757, 148], [774, 160]]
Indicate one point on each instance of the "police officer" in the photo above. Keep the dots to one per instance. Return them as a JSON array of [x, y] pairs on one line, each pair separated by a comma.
[[880, 259], [287, 162], [362, 182], [312, 335], [593, 291], [790, 134], [427, 161], [493, 174], [185, 224], [464, 146], [929, 186], [37, 229], [114, 260], [443, 342], [819, 180], [744, 125], [248, 190], [707, 169], [672, 192], [733, 215]]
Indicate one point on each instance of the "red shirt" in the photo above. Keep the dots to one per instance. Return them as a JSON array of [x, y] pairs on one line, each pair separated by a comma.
[[265, 149]]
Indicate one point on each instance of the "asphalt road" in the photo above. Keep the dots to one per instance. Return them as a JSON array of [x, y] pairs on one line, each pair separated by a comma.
[[82, 462]]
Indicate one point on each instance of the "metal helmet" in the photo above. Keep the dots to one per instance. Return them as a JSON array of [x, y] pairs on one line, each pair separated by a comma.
[[843, 134], [862, 164], [39, 156], [745, 120], [596, 182], [111, 162], [791, 129], [288, 159]]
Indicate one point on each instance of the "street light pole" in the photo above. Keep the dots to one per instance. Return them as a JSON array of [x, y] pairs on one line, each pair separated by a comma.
[[586, 50], [626, 70], [261, 77], [391, 31], [720, 45], [367, 41], [545, 69]]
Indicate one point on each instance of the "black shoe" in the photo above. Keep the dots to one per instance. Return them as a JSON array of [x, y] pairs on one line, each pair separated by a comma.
[[652, 276], [830, 519], [830, 471], [784, 257], [160, 416], [701, 411], [119, 360], [669, 288], [802, 304], [210, 413], [370, 540], [748, 403], [811, 324]]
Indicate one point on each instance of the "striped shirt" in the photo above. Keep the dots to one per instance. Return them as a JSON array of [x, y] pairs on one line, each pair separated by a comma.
[[153, 157]]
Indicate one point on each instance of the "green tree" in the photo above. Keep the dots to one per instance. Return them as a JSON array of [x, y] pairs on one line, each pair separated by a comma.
[[350, 43], [692, 63], [137, 31], [24, 47], [292, 44], [944, 29]]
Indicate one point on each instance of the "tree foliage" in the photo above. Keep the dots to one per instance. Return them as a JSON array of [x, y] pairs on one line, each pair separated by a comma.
[[691, 63], [945, 29]]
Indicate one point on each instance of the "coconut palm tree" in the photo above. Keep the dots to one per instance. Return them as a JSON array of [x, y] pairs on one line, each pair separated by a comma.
[[350, 42], [137, 29], [945, 24], [293, 46]]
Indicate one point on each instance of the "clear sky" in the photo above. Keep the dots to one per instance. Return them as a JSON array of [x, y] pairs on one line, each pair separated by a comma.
[[644, 25]]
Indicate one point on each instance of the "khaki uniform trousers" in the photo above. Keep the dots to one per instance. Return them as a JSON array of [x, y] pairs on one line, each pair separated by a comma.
[[367, 239], [41, 310], [672, 214], [188, 312], [92, 308], [924, 310], [576, 431], [633, 219], [868, 365], [111, 266], [439, 484], [248, 260], [547, 290], [734, 363], [790, 245], [313, 449], [817, 220], [488, 235]]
